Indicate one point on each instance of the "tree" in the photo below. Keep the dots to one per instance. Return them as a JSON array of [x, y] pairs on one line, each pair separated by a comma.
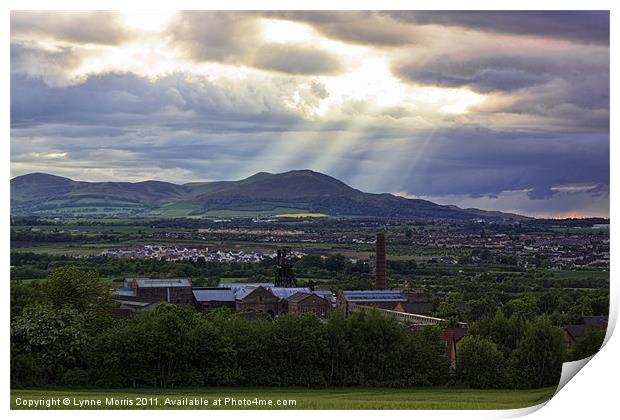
[[589, 344], [79, 289], [483, 307], [46, 342], [424, 361], [505, 332], [335, 262], [480, 364], [525, 307], [537, 360], [24, 295], [582, 307]]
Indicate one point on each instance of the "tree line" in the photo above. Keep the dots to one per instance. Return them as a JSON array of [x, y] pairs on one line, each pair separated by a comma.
[[64, 332]]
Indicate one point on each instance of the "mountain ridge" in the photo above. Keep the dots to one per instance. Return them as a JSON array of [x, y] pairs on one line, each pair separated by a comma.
[[264, 192]]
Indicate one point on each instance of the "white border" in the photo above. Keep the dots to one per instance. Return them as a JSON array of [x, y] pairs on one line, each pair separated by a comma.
[[591, 395]]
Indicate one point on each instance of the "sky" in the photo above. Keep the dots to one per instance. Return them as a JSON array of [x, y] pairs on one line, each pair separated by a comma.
[[495, 110]]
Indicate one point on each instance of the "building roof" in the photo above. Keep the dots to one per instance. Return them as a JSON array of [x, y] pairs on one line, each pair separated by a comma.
[[417, 307], [596, 321], [576, 331], [286, 292], [148, 282], [373, 296], [218, 295], [238, 286], [241, 290], [324, 293], [453, 333], [299, 296]]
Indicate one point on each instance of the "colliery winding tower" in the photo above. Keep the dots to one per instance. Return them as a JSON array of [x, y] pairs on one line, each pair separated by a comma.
[[284, 271]]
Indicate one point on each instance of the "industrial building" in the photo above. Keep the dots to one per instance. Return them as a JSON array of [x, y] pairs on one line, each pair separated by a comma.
[[158, 290]]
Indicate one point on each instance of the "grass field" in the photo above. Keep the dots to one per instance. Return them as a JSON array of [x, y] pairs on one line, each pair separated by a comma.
[[301, 215], [336, 399]]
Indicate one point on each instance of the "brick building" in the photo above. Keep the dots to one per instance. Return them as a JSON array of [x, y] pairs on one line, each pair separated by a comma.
[[206, 299], [302, 302], [259, 299], [161, 290]]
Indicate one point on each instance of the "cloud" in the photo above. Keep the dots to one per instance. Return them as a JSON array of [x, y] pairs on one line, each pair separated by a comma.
[[359, 27], [577, 26], [52, 66], [366, 105], [296, 59], [178, 99], [561, 204], [233, 38], [483, 74], [555, 86], [96, 27], [214, 35], [540, 193]]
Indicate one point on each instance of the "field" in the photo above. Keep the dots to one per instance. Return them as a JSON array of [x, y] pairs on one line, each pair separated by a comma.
[[335, 399], [301, 215]]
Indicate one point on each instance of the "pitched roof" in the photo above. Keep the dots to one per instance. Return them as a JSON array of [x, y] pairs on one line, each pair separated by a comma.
[[596, 321], [576, 331], [417, 308], [300, 296], [148, 282], [373, 296], [286, 292], [453, 333], [218, 295], [238, 286]]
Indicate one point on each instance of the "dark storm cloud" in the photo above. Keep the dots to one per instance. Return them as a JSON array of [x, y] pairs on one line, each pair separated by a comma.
[[568, 88], [126, 99], [230, 37], [577, 26], [359, 27], [507, 71], [480, 162], [481, 74], [540, 193], [28, 58], [96, 27], [545, 106]]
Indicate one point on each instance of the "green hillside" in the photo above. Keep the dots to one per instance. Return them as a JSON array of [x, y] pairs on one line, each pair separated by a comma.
[[262, 194]]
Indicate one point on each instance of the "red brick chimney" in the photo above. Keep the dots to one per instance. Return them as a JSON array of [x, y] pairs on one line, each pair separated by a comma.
[[380, 276]]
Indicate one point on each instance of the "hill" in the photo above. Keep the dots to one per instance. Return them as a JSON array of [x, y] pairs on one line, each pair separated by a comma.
[[301, 191]]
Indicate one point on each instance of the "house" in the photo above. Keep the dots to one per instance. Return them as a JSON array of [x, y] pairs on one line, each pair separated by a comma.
[[259, 299], [129, 305], [452, 337], [207, 298], [161, 290], [572, 333], [421, 308], [599, 321], [415, 295], [303, 302]]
